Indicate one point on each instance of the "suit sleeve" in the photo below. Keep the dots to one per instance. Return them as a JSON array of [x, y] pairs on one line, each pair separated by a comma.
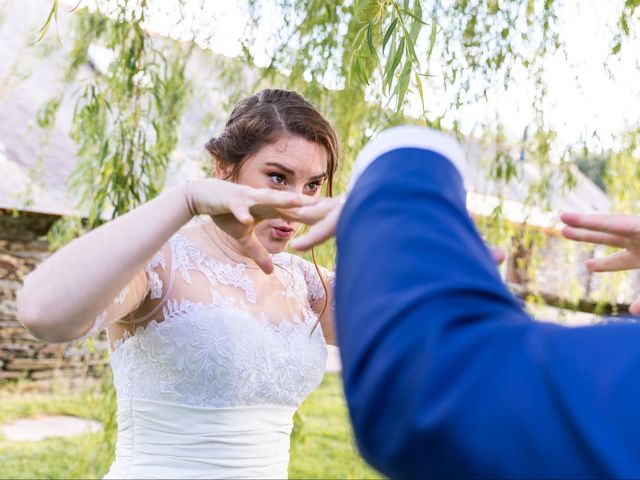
[[445, 375]]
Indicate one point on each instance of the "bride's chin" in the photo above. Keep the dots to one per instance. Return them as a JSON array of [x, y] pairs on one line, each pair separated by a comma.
[[274, 246], [278, 249], [274, 240]]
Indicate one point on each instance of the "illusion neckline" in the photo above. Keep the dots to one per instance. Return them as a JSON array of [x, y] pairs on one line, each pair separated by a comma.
[[276, 258], [285, 327]]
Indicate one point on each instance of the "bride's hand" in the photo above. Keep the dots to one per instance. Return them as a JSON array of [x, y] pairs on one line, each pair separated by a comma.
[[237, 208]]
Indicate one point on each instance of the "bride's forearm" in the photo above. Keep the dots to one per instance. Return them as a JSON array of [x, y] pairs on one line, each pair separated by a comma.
[[62, 296]]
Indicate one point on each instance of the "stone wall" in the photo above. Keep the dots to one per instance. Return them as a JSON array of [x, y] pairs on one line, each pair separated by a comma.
[[22, 246]]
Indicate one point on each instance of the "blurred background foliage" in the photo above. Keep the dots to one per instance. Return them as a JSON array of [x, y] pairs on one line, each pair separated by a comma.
[[365, 63]]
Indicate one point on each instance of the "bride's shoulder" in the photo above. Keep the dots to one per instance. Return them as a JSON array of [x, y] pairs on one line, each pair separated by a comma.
[[190, 231], [165, 255], [309, 269], [190, 235], [287, 259]]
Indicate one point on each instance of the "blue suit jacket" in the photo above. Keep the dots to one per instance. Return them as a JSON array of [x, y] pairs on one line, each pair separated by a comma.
[[445, 374]]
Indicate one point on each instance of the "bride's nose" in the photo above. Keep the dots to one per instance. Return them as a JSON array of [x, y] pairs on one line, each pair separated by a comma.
[[297, 188]]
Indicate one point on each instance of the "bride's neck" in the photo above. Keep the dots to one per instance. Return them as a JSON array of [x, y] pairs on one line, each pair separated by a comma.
[[228, 245]]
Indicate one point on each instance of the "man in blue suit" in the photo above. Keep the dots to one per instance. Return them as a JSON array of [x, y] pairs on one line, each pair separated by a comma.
[[445, 374]]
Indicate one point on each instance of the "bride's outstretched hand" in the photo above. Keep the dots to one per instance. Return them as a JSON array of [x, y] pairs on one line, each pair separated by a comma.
[[620, 231], [237, 208]]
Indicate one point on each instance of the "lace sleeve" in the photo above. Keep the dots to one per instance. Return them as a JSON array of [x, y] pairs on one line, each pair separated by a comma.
[[315, 287], [146, 283]]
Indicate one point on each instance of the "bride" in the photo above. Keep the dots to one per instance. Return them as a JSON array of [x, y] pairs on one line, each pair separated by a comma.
[[216, 334]]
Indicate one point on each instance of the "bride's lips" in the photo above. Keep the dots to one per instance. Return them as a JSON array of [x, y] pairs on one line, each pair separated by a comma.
[[282, 232]]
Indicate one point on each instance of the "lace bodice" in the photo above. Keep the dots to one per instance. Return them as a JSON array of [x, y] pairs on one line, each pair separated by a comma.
[[215, 333]]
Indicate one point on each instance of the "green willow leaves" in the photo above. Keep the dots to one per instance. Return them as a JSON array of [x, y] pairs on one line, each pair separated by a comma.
[[367, 64], [127, 115], [386, 39]]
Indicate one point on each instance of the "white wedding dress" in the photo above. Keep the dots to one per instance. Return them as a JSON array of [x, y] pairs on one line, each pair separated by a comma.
[[208, 385]]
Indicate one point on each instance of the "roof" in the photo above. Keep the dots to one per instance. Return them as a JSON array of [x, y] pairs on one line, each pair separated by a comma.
[[484, 194], [35, 164]]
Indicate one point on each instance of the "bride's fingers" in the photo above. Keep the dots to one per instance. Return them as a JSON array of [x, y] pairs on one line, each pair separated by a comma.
[[590, 236], [315, 209], [253, 248], [266, 210], [625, 225], [242, 213], [276, 199], [613, 263], [634, 308]]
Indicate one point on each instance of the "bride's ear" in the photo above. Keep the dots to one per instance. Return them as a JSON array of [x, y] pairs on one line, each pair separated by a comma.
[[223, 170]]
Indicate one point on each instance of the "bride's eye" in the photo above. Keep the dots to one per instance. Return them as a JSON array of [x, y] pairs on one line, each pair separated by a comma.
[[314, 186], [277, 178]]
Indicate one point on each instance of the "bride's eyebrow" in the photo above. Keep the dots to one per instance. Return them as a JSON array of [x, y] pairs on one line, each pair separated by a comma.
[[292, 173], [322, 176], [286, 170]]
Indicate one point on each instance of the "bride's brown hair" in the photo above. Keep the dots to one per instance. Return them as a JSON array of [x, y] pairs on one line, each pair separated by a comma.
[[262, 119]]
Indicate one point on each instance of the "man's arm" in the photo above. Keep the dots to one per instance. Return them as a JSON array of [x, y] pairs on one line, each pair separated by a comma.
[[445, 374]]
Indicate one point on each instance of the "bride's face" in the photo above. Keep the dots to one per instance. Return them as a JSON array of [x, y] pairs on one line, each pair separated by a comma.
[[292, 164]]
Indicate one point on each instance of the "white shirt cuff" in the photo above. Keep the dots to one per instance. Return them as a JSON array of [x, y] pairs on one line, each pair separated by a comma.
[[408, 137]]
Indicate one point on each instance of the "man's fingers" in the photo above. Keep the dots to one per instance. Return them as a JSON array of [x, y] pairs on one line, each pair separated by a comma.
[[325, 216], [590, 236], [625, 225], [613, 263], [634, 308], [310, 214], [498, 254], [320, 232]]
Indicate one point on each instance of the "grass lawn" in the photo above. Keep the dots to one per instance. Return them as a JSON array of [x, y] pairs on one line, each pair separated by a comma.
[[321, 447], [322, 444]]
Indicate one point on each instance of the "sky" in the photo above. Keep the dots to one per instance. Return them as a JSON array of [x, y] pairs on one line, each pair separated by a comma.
[[582, 97]]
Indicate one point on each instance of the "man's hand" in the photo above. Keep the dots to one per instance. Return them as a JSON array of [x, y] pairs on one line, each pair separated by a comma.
[[323, 216], [498, 254], [620, 231]]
